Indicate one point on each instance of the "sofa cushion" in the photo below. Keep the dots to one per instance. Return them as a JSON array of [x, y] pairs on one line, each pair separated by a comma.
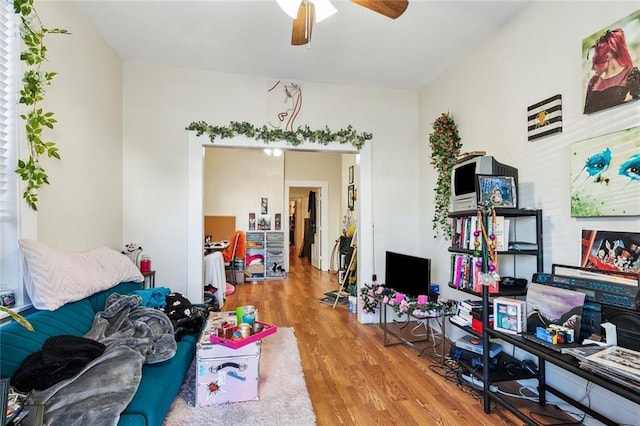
[[55, 277], [160, 385], [73, 318]]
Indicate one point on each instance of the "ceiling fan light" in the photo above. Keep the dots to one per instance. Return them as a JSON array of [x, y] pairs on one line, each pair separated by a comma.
[[324, 8]]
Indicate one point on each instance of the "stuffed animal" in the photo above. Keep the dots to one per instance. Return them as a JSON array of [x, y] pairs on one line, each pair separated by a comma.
[[132, 251]]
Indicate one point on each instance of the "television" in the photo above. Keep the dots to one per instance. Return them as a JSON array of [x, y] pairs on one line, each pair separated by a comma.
[[464, 190], [410, 275]]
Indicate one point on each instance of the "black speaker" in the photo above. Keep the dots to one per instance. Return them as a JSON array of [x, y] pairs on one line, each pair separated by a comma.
[[510, 282]]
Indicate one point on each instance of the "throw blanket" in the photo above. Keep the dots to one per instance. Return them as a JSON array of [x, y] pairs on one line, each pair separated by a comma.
[[133, 335]]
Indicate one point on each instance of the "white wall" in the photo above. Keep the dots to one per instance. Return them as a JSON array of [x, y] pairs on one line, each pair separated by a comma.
[[159, 102], [235, 181], [82, 207], [536, 56], [488, 93]]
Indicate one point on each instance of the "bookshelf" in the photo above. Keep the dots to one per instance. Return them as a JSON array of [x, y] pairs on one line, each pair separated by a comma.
[[521, 232]]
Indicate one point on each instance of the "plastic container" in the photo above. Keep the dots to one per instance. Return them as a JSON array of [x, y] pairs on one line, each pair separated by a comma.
[[249, 314], [145, 263]]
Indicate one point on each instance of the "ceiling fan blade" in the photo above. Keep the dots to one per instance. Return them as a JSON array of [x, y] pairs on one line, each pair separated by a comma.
[[303, 24], [388, 8]]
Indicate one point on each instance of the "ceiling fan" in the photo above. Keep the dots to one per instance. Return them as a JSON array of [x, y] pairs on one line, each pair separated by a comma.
[[305, 16]]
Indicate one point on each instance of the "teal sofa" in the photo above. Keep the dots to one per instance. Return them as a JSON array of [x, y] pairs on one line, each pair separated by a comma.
[[160, 382]]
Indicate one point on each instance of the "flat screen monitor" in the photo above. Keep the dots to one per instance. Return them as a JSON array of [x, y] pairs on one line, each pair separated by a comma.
[[410, 275]]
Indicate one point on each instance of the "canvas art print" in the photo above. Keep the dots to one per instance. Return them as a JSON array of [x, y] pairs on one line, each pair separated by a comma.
[[551, 305], [611, 251], [605, 175], [610, 59], [497, 191]]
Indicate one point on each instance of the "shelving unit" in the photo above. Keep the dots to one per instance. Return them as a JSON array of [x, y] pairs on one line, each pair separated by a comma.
[[462, 244], [274, 254], [265, 255], [529, 221]]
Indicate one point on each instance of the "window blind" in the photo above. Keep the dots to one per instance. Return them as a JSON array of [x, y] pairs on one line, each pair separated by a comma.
[[8, 109], [10, 268]]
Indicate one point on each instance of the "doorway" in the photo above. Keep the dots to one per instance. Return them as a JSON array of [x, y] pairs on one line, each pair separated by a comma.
[[308, 217], [195, 190]]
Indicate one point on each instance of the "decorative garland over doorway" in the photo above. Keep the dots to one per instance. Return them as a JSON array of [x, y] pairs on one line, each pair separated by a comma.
[[297, 137]]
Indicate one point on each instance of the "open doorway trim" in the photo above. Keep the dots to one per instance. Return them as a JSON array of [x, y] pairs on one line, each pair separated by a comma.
[[195, 203]]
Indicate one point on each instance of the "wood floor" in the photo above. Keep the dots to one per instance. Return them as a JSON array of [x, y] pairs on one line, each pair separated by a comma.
[[351, 377]]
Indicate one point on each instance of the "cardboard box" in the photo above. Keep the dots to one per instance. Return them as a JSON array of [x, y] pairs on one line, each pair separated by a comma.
[[254, 270]]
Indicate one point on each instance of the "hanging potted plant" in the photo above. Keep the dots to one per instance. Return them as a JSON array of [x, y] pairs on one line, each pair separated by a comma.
[[445, 147]]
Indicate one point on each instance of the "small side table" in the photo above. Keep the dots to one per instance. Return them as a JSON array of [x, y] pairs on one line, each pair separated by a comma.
[[149, 279]]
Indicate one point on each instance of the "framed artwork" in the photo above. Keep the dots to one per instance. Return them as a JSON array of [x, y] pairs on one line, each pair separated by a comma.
[[278, 222], [351, 171], [350, 197], [264, 205], [544, 118], [610, 59], [497, 191], [611, 251], [604, 175], [252, 221], [552, 305], [264, 222]]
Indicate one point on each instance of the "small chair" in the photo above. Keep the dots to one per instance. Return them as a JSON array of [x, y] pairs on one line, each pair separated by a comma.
[[233, 253]]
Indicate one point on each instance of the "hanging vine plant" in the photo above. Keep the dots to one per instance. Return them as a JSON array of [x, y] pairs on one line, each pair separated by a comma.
[[445, 147], [34, 81], [297, 137]]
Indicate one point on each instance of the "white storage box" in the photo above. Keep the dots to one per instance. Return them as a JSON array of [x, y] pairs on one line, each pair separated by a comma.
[[226, 375], [223, 374]]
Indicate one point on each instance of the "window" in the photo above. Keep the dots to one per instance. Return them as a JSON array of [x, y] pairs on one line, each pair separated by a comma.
[[9, 205]]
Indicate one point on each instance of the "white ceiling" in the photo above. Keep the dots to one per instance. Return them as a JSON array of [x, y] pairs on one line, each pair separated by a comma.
[[355, 46]]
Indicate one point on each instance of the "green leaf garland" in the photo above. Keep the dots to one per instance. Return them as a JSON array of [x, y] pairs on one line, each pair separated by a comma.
[[294, 138], [34, 82], [445, 147]]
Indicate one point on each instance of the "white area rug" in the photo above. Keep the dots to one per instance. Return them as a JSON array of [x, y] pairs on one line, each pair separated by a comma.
[[284, 399]]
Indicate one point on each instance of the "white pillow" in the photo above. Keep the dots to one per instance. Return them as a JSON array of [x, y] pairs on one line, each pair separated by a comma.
[[54, 277]]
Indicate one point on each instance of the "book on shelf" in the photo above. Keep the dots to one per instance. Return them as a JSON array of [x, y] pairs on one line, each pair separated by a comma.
[[471, 304], [464, 272], [501, 232], [460, 321]]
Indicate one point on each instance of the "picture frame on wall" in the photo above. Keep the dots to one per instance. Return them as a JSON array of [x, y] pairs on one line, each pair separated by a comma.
[[264, 205], [351, 174], [350, 197], [497, 191], [604, 175], [278, 222], [264, 222], [610, 61]]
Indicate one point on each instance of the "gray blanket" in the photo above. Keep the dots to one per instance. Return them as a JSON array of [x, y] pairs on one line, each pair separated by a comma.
[[133, 335]]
